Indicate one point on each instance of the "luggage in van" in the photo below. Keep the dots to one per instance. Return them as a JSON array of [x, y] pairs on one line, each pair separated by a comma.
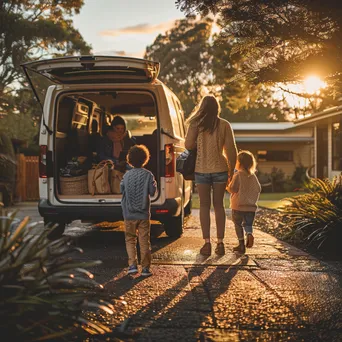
[[77, 185], [99, 178]]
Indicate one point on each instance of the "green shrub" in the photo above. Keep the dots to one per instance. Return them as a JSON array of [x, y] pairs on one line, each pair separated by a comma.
[[44, 293], [299, 177], [6, 146], [31, 150], [7, 168], [316, 217], [290, 185], [272, 182]]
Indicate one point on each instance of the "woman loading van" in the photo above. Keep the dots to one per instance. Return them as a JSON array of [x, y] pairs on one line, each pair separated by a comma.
[[216, 157], [116, 140]]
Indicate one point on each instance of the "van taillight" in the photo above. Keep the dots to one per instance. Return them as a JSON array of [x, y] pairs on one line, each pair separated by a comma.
[[169, 160], [42, 161]]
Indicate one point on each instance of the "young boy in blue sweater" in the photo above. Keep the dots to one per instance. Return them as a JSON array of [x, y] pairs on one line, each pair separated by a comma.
[[137, 186]]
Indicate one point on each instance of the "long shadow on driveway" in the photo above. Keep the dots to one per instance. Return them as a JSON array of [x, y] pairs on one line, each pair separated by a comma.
[[205, 303], [183, 302], [108, 245]]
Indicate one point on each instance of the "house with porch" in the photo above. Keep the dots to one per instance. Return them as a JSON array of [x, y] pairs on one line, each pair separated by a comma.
[[327, 133], [280, 145]]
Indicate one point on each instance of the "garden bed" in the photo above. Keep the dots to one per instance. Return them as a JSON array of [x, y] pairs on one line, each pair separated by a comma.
[[273, 222]]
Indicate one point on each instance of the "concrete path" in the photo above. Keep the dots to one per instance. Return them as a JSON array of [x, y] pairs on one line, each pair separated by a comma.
[[275, 292]]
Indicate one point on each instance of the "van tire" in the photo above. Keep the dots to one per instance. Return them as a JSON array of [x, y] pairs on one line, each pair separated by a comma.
[[174, 225], [6, 198], [55, 233]]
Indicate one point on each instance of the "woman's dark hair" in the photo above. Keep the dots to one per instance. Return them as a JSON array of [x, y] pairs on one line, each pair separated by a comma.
[[118, 120], [206, 116], [105, 129], [247, 161], [138, 156]]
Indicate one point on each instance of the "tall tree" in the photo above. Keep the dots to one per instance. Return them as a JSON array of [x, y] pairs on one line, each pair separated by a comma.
[[282, 40], [32, 29], [195, 62], [184, 56]]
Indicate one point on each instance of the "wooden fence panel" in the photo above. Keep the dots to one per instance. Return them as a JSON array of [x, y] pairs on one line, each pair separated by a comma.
[[27, 188], [32, 177]]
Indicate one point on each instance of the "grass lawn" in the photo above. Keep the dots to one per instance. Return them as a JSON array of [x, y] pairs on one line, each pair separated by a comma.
[[267, 200]]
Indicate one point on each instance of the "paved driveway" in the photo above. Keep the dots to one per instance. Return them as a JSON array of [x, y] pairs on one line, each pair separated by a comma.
[[274, 292]]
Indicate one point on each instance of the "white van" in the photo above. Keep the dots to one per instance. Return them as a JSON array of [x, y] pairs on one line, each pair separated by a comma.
[[74, 92]]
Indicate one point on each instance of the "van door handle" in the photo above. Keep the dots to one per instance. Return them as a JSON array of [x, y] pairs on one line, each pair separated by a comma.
[[102, 200]]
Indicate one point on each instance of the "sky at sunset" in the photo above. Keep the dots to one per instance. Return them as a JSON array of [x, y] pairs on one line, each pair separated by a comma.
[[125, 27]]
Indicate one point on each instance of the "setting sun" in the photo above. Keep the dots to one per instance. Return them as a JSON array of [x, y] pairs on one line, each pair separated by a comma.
[[313, 84], [215, 29]]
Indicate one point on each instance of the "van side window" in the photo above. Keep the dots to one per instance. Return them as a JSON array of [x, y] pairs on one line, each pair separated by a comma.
[[174, 116], [95, 117], [80, 117]]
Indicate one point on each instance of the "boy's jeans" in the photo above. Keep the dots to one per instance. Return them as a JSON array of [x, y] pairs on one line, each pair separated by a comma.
[[143, 227], [243, 220]]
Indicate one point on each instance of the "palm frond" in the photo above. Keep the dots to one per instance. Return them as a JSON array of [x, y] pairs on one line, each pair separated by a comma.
[[44, 293], [317, 215]]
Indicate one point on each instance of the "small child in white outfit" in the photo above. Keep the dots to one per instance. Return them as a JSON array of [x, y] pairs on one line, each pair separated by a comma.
[[245, 190]]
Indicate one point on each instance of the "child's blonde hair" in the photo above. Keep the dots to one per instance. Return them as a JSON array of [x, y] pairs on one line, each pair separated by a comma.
[[247, 161]]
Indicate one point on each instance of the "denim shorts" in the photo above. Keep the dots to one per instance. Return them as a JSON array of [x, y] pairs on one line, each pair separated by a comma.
[[211, 178]]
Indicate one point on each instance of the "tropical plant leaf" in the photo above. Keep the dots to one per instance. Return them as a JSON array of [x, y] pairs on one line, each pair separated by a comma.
[[44, 293], [317, 214]]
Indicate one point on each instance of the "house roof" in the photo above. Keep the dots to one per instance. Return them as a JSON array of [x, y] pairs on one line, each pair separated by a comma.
[[327, 113], [261, 126], [287, 139], [268, 132]]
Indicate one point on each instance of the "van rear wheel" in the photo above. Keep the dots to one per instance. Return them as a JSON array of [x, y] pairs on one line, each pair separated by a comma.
[[174, 225]]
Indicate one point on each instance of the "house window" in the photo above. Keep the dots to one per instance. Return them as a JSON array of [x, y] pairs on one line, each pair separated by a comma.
[[278, 156], [337, 146]]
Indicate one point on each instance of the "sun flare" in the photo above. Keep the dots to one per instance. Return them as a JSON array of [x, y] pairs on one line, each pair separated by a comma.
[[313, 84], [215, 29]]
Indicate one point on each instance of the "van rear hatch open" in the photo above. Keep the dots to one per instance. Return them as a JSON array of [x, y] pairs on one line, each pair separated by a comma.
[[82, 120], [88, 70]]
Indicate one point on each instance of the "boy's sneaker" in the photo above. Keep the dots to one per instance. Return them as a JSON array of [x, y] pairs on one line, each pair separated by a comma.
[[146, 272], [132, 269], [250, 240]]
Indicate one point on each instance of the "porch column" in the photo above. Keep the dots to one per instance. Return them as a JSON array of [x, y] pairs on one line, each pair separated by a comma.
[[315, 151]]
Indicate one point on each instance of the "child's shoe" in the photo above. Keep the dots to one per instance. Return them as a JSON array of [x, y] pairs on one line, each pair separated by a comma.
[[250, 240], [146, 272], [240, 248], [133, 269], [219, 250], [206, 249]]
